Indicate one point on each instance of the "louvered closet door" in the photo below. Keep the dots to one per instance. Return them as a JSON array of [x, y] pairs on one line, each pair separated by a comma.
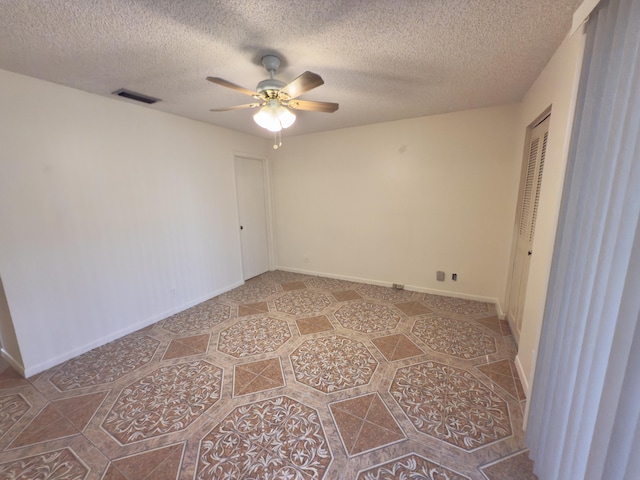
[[528, 210]]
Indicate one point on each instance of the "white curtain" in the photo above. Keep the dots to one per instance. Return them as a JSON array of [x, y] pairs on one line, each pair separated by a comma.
[[585, 405]]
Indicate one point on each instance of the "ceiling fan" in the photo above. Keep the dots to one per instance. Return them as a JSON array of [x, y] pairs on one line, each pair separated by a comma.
[[276, 99]]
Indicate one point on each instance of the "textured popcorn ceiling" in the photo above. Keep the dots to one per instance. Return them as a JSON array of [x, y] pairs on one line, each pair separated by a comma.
[[380, 60]]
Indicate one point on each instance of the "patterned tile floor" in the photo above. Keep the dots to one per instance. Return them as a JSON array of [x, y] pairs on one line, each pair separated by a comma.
[[286, 377]]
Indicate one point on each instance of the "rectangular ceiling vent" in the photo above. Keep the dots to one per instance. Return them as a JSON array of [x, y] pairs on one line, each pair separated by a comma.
[[138, 97]]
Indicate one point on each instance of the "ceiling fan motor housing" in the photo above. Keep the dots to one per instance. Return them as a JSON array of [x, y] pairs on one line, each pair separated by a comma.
[[270, 85]]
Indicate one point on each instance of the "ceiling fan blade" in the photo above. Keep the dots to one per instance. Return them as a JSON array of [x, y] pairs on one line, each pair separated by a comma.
[[302, 84], [233, 86], [327, 107], [237, 107]]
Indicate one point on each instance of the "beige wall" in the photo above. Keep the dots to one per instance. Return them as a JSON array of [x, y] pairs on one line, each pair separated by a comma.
[[105, 208], [395, 202], [556, 87]]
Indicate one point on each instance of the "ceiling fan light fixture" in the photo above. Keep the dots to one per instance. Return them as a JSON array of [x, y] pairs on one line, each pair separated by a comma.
[[275, 99], [274, 117]]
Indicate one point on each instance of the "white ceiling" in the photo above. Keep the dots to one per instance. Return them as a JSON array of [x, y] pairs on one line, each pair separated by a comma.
[[381, 60]]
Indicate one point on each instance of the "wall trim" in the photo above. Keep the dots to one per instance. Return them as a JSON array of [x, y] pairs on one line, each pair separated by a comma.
[[411, 288], [41, 367], [525, 385], [502, 315], [12, 361]]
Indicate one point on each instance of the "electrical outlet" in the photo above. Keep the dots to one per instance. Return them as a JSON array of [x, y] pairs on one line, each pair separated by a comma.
[[305, 259], [440, 276], [454, 277], [173, 292]]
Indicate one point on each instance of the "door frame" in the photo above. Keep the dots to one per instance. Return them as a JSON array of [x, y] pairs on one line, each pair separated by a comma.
[[514, 241], [266, 174]]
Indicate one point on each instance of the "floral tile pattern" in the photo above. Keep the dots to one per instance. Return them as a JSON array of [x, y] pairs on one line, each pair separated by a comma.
[[57, 465], [253, 336], [278, 438], [169, 399], [410, 467], [384, 293], [333, 363], [235, 388], [302, 302], [12, 408], [451, 404], [331, 284], [107, 363], [460, 306], [454, 337], [280, 276], [252, 292], [198, 318], [367, 317]]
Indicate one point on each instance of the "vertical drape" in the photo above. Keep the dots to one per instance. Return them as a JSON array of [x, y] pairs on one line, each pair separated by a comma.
[[587, 381]]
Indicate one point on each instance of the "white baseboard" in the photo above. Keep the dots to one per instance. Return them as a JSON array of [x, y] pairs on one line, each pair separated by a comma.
[[331, 275], [411, 288], [41, 367], [524, 380], [502, 315], [17, 366], [523, 377]]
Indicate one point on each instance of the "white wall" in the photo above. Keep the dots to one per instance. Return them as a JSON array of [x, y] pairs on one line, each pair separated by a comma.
[[105, 207], [557, 86], [395, 202]]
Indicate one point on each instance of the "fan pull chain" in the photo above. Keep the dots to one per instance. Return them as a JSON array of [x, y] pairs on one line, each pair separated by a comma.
[[277, 139]]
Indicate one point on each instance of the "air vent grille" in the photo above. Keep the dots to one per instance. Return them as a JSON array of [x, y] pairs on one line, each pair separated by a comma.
[[138, 97]]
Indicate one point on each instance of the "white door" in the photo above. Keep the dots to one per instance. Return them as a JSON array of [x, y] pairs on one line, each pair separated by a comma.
[[528, 210], [252, 212]]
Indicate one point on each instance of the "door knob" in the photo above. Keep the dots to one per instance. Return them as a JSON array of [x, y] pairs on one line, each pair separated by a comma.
[[529, 253], [242, 228]]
